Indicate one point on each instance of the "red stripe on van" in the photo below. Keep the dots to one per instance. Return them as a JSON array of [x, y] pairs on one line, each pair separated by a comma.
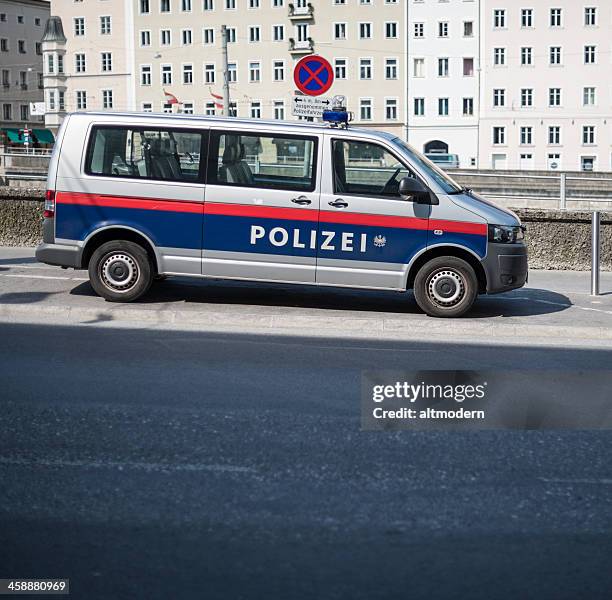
[[458, 226], [128, 202]]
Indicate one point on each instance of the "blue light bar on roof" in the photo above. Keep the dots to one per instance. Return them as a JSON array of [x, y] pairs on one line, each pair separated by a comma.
[[335, 116]]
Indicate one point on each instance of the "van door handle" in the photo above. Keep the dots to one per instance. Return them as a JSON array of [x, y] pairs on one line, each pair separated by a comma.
[[338, 203], [301, 200]]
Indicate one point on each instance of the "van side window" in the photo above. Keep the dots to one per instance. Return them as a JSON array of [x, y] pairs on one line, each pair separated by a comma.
[[366, 169], [163, 154], [265, 161]]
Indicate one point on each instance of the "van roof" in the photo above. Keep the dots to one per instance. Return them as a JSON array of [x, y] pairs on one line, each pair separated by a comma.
[[217, 121]]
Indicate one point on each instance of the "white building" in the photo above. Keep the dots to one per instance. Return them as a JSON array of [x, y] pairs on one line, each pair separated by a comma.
[[443, 77], [546, 85], [21, 28]]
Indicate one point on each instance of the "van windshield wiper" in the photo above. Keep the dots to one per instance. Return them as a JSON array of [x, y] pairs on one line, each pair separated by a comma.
[[463, 190]]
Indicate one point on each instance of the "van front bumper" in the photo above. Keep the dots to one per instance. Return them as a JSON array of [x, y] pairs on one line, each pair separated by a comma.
[[59, 255], [505, 267]]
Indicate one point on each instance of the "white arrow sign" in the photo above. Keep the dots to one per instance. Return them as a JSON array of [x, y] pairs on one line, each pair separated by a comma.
[[308, 106]]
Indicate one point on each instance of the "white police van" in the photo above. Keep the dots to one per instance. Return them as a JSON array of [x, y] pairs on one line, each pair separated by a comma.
[[134, 197]]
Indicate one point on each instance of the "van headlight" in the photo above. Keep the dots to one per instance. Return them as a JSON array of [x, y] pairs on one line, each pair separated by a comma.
[[506, 234]]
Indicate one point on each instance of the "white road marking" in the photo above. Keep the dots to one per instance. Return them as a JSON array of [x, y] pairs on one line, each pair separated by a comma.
[[127, 465], [20, 276]]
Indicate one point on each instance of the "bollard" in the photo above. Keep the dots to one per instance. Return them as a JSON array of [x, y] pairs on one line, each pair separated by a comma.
[[595, 252], [563, 191]]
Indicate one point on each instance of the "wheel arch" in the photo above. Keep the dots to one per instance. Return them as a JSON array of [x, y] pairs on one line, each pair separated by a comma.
[[117, 232], [447, 250]]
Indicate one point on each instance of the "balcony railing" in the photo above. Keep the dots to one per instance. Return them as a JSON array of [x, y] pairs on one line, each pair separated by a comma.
[[301, 12], [301, 46]]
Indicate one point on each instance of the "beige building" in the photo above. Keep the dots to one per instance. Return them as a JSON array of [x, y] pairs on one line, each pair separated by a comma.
[[124, 55], [22, 23]]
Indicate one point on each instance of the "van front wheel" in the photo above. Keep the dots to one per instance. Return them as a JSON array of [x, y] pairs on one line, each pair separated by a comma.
[[120, 271], [446, 286]]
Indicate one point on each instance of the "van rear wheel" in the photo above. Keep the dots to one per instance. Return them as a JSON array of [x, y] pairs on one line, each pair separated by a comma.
[[120, 271], [446, 286]]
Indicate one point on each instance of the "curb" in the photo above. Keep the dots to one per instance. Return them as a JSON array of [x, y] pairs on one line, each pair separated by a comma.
[[421, 327]]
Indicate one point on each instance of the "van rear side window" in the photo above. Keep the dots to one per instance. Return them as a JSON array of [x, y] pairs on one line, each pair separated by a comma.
[[139, 153]]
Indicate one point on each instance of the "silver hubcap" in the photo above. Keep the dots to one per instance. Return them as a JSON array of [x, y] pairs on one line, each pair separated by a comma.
[[119, 272], [446, 288]]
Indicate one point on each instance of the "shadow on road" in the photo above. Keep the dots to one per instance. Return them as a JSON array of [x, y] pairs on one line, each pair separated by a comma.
[[524, 302], [16, 260]]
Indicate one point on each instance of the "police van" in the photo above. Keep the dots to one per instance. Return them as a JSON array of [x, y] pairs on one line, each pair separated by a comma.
[[137, 197]]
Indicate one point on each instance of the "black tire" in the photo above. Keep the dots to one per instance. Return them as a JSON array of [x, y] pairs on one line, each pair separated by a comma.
[[120, 271], [446, 286]]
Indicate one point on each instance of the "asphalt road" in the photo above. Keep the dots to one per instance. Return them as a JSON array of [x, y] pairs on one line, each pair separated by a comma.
[[190, 464]]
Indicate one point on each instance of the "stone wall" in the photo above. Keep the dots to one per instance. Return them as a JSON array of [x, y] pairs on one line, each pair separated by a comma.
[[556, 239]]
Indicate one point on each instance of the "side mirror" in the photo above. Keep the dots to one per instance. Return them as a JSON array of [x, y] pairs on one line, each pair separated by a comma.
[[412, 189]]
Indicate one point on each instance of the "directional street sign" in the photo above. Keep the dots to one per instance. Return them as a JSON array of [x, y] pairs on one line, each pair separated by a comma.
[[313, 75], [305, 106]]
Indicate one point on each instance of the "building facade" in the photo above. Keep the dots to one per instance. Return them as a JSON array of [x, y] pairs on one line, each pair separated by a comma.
[[22, 24]]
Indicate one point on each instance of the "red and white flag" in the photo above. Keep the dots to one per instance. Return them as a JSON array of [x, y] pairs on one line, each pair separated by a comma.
[[171, 98], [217, 97]]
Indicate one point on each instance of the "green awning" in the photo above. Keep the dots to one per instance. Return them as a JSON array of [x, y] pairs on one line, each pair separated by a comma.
[[13, 135], [44, 136]]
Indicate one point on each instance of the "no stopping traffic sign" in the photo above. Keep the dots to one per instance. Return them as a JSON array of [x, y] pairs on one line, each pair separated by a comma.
[[313, 75]]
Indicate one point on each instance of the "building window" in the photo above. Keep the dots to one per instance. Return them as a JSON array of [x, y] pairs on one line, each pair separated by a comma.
[[589, 55], [255, 72], [188, 108], [165, 36], [527, 17], [23, 110], [555, 55], [39, 48], [186, 37], [590, 16], [468, 67], [254, 34], [391, 30], [468, 107], [145, 7], [230, 4], [105, 25], [232, 73], [187, 74], [79, 26], [391, 68], [499, 97], [468, 29], [206, 6], [255, 110], [61, 100], [554, 135], [499, 136], [588, 135], [145, 38], [50, 63], [499, 57], [340, 68], [81, 100], [443, 104], [209, 109], [443, 29], [587, 163], [554, 97], [6, 78], [7, 112], [391, 109], [21, 47], [231, 35], [164, 6], [365, 109], [527, 97], [365, 31], [4, 47], [340, 31], [279, 109], [526, 136], [278, 33], [107, 99], [588, 96], [555, 17], [166, 74], [51, 100], [499, 18], [209, 73], [253, 3], [419, 30], [419, 67], [526, 56], [278, 3], [145, 74], [279, 70], [443, 67], [186, 7], [419, 107], [208, 35], [80, 65], [107, 61], [365, 68]]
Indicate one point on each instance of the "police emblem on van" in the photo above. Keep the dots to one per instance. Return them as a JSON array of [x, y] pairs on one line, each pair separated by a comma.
[[380, 241]]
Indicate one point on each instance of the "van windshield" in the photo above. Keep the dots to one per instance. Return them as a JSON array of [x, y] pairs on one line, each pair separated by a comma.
[[427, 167]]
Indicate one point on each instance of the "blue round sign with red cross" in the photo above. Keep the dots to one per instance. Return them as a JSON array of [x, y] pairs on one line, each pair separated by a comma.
[[313, 75]]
